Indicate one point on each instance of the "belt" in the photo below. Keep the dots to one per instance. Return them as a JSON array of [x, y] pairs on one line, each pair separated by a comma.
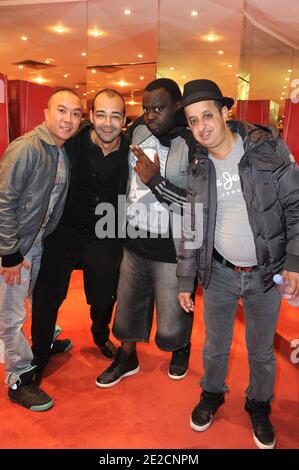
[[246, 269]]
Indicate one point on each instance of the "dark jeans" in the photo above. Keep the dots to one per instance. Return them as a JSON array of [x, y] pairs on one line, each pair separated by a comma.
[[261, 310], [143, 283], [63, 252]]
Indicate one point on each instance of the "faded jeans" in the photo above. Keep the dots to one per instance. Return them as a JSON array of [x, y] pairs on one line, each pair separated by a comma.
[[17, 351], [261, 310]]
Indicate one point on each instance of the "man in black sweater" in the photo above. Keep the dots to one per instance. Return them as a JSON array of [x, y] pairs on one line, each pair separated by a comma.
[[98, 156]]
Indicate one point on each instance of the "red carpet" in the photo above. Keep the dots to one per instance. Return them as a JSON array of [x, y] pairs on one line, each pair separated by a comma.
[[148, 410]]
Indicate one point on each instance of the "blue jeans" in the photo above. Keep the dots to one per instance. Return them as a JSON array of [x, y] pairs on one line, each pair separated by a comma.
[[17, 351], [261, 310], [143, 282]]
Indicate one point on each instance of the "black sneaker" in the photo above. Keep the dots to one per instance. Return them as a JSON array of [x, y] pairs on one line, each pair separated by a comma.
[[108, 349], [204, 411], [123, 365], [26, 393], [263, 432], [179, 363], [60, 346]]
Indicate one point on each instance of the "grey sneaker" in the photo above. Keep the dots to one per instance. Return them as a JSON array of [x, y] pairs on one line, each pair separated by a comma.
[[123, 365], [27, 394]]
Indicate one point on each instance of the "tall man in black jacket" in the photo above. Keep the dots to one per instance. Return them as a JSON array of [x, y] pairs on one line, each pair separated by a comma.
[[98, 156]]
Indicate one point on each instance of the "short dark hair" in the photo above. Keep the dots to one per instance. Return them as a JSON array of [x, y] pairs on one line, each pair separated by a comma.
[[109, 92], [63, 90], [169, 85]]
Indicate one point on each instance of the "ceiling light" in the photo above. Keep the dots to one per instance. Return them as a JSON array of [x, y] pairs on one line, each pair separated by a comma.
[[59, 29], [283, 93], [194, 13], [171, 68], [229, 66], [77, 86], [281, 98], [184, 76], [83, 54], [39, 80], [24, 38], [20, 67], [284, 86], [92, 91], [141, 78], [220, 52], [122, 83], [287, 79], [66, 75], [96, 33], [127, 12], [84, 94], [140, 56], [93, 71], [211, 37], [290, 70]]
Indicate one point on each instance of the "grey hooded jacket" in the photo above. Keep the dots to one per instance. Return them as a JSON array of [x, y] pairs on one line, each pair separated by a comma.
[[270, 185], [27, 175]]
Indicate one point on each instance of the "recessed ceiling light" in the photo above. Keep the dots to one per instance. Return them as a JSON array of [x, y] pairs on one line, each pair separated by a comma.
[[24, 38], [284, 86], [92, 91], [290, 70], [287, 79], [220, 52], [236, 75], [211, 37], [83, 54], [59, 29], [39, 80], [66, 75], [194, 13], [93, 71], [283, 93], [84, 94], [20, 67], [77, 86], [229, 66], [127, 12], [141, 78], [96, 33], [281, 98], [171, 68], [140, 56], [122, 83], [184, 76], [282, 116]]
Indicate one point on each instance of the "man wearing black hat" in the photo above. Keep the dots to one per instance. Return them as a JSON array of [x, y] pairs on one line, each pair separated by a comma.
[[243, 228]]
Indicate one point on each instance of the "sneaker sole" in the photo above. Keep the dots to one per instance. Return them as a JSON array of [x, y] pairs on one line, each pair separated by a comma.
[[195, 427], [260, 445], [111, 384], [44, 407], [177, 377]]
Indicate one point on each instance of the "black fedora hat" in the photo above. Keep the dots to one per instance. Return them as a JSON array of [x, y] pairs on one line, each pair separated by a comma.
[[200, 90]]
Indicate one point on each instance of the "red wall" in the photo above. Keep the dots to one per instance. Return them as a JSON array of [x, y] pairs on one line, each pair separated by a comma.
[[27, 102], [4, 135], [256, 111], [291, 127]]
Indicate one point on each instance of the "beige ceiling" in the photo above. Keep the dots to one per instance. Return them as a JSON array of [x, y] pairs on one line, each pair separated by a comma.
[[164, 32]]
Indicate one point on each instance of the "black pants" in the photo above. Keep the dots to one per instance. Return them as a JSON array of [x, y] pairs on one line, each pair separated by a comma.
[[65, 250]]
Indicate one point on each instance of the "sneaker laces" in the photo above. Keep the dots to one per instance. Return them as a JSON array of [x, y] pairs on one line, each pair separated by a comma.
[[116, 364]]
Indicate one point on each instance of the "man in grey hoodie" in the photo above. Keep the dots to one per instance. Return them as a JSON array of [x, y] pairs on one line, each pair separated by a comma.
[[33, 189]]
